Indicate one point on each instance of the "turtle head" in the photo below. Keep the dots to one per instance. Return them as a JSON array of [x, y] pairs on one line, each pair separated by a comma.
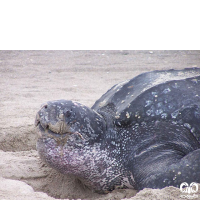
[[72, 141], [68, 119], [69, 140]]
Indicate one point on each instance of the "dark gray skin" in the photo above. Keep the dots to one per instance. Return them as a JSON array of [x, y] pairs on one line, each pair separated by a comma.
[[144, 132]]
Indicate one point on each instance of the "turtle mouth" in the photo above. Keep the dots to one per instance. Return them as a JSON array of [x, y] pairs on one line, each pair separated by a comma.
[[45, 130], [56, 120]]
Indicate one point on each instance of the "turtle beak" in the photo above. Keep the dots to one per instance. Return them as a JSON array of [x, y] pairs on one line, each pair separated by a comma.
[[37, 120]]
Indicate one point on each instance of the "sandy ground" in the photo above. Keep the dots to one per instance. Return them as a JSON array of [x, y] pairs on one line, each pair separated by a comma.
[[29, 78]]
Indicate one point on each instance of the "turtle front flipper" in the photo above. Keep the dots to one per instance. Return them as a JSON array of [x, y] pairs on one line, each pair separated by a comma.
[[168, 156], [186, 170]]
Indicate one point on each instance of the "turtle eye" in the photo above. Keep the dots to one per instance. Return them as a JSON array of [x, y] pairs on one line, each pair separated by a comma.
[[43, 106], [68, 113]]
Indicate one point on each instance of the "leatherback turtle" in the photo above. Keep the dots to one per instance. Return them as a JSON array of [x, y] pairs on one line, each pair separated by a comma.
[[143, 132]]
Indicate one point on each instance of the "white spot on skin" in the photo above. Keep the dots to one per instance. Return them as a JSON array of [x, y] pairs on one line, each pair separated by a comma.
[[127, 115], [148, 112], [151, 111], [136, 114], [46, 118], [192, 130], [158, 112], [164, 115], [187, 125], [175, 114], [119, 123], [148, 103], [175, 85], [103, 103], [117, 117], [143, 123], [167, 90]]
